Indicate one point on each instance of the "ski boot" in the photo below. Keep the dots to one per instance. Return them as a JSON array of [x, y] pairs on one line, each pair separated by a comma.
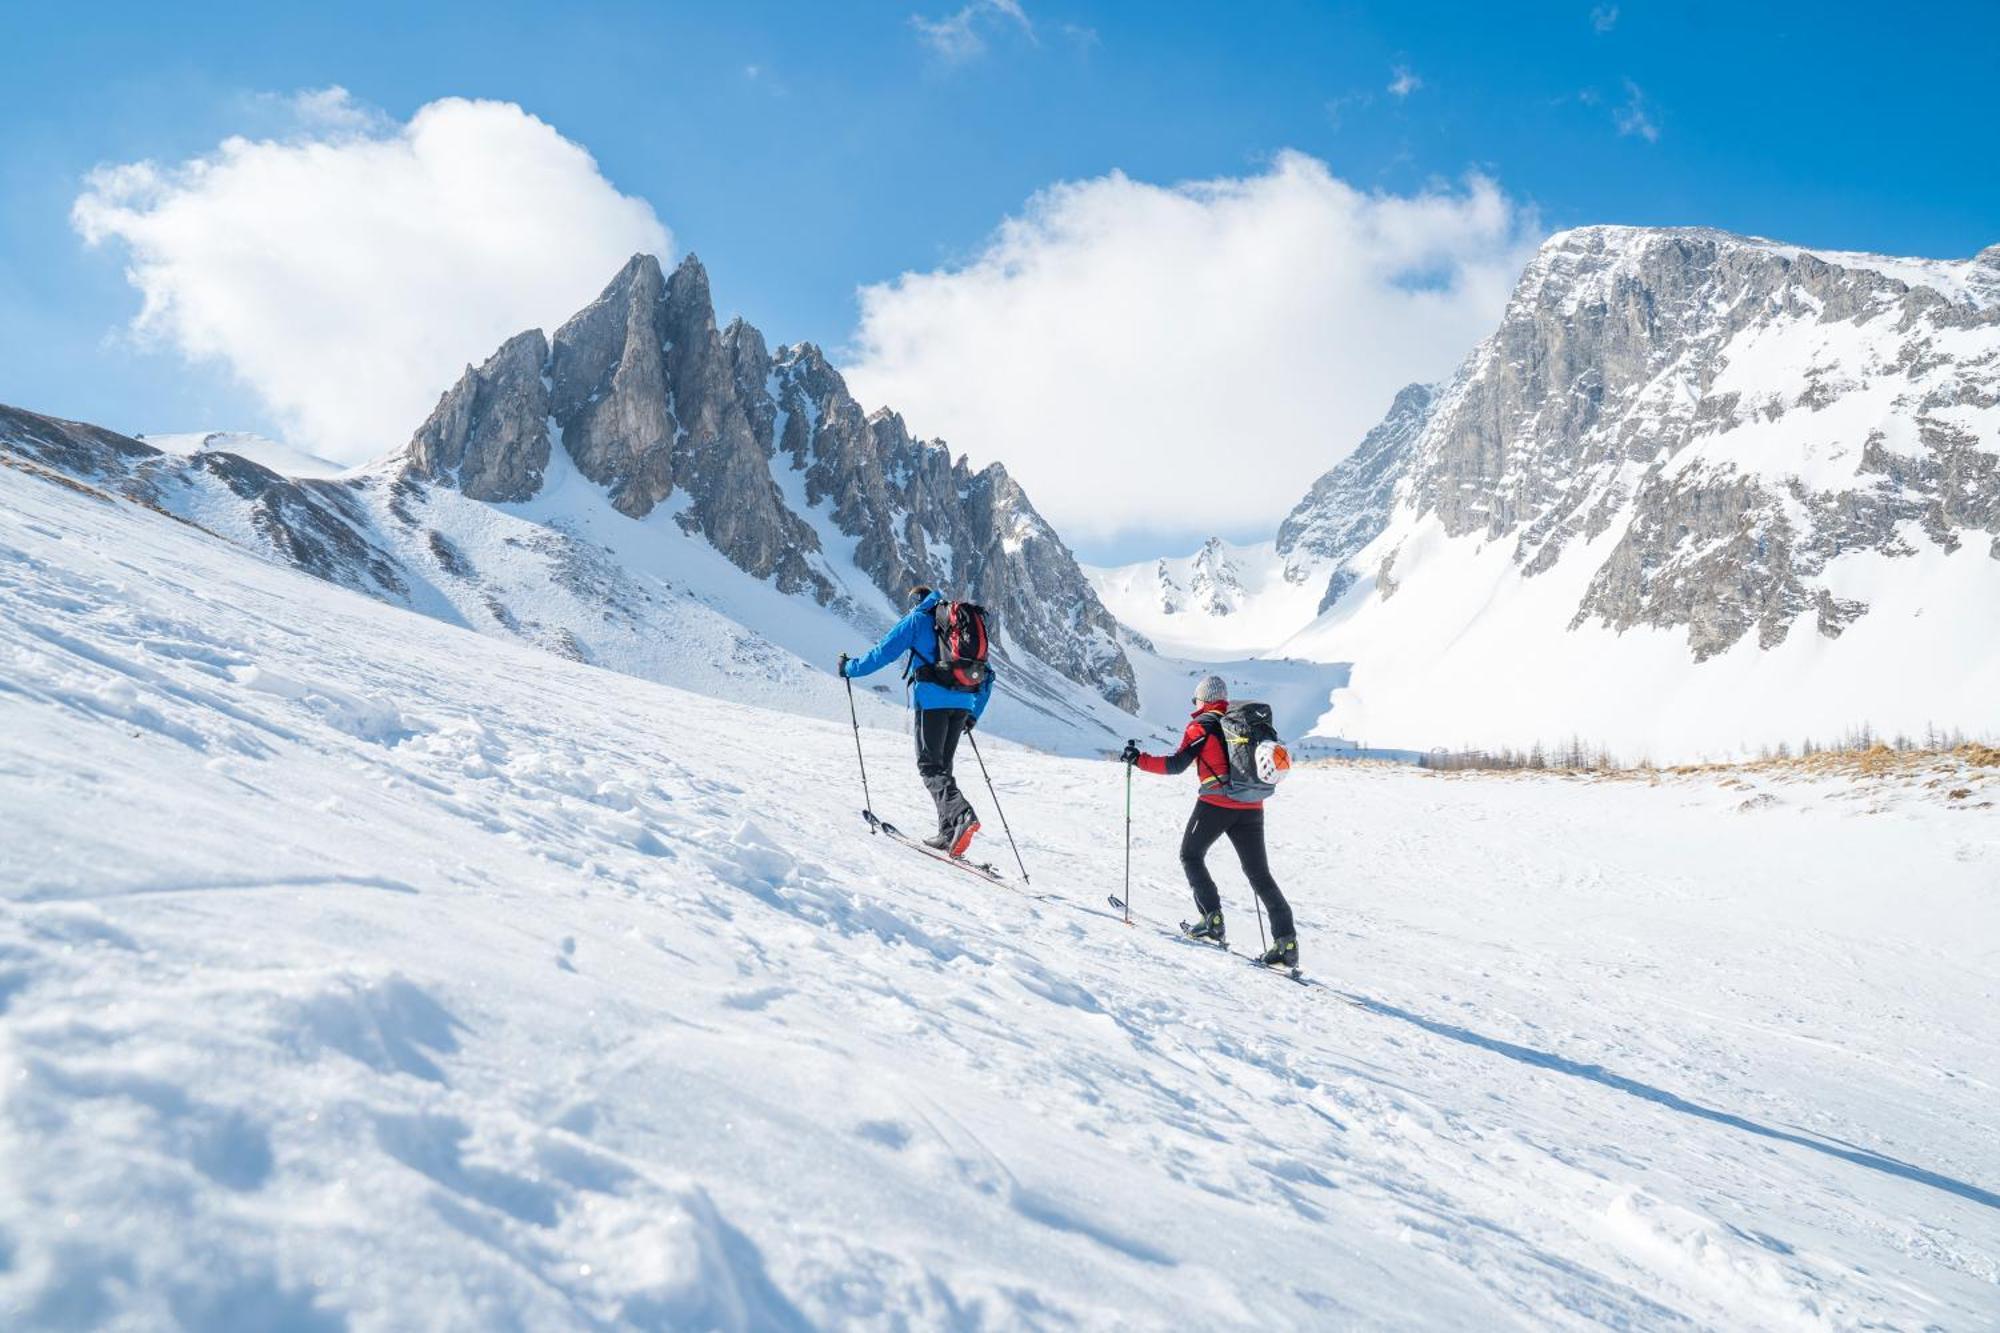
[[1208, 930], [955, 837], [1284, 952]]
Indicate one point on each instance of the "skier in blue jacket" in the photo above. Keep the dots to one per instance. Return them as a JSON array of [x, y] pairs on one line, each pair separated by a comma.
[[942, 714]]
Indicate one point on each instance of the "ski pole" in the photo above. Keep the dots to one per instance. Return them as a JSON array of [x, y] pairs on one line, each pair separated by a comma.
[[867, 801], [1128, 844], [996, 806], [1258, 903]]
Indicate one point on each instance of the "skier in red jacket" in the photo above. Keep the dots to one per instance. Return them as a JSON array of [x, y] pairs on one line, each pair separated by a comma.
[[1215, 815]]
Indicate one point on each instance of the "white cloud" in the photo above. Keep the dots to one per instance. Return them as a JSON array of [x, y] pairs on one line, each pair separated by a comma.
[[1148, 358], [960, 36], [1636, 116], [347, 273], [1603, 18], [1402, 82]]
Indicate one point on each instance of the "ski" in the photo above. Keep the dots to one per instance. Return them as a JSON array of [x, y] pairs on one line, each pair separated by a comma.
[[1288, 973], [984, 869]]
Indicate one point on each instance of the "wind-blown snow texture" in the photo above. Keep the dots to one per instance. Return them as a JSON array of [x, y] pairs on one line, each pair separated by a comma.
[[359, 971]]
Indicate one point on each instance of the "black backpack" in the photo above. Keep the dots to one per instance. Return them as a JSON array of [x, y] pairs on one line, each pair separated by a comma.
[[961, 648], [1258, 760]]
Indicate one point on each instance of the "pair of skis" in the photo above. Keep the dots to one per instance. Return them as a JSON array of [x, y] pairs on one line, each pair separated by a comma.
[[984, 869], [1279, 969], [988, 872]]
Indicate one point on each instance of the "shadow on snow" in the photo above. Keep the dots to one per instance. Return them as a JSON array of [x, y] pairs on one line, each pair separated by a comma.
[[1527, 1055]]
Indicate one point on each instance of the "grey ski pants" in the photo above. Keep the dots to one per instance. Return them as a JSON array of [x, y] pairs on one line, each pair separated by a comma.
[[938, 730]]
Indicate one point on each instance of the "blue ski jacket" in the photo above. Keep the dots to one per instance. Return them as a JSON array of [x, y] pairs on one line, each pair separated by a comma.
[[916, 633]]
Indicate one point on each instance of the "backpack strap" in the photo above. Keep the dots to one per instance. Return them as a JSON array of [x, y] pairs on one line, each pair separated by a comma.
[[1211, 726], [915, 667]]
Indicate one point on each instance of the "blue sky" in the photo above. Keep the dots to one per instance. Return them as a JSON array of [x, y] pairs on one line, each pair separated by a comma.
[[804, 150]]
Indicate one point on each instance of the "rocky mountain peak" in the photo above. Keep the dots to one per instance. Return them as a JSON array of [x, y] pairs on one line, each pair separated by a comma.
[[1726, 405], [1350, 504], [650, 398]]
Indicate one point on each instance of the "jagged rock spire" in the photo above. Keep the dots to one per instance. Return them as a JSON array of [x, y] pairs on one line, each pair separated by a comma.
[[651, 399], [489, 434]]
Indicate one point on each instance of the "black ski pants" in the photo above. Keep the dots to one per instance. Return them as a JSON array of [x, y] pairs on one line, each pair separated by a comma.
[[938, 730], [1246, 834]]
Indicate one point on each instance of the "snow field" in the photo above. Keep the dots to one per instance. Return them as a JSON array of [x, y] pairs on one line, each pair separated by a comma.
[[357, 971]]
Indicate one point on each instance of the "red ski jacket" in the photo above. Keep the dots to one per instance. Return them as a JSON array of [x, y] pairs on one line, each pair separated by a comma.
[[1201, 745]]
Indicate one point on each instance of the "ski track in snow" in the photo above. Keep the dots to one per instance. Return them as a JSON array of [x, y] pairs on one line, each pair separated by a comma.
[[356, 971]]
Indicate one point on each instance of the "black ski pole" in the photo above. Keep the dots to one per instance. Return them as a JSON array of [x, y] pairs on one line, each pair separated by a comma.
[[1258, 903], [996, 806], [867, 801], [1128, 844]]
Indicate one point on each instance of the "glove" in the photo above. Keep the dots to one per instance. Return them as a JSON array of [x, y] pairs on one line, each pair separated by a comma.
[[1131, 752], [970, 722], [841, 670]]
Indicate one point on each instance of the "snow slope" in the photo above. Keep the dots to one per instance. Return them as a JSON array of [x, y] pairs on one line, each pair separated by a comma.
[[284, 459], [360, 972], [1464, 655]]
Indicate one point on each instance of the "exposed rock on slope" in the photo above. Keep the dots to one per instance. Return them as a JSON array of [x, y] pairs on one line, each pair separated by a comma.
[[320, 526], [1350, 504]]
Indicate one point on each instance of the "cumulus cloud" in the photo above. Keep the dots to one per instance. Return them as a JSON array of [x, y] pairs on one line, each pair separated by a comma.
[[1603, 18], [1149, 357], [1402, 82], [348, 271]]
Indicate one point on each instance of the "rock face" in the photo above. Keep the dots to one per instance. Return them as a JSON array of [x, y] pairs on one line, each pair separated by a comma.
[[489, 435], [766, 455], [1349, 506], [1729, 414]]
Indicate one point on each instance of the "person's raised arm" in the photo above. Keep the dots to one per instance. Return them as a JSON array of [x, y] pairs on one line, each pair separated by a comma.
[[894, 644], [1178, 761]]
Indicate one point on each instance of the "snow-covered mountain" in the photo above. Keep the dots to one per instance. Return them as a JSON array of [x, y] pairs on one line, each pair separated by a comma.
[[1224, 600], [647, 492], [358, 971], [1241, 600], [1697, 492]]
